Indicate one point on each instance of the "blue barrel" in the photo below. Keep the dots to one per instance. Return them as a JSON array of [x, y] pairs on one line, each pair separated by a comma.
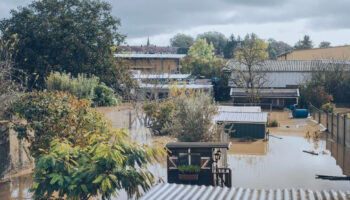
[[300, 113]]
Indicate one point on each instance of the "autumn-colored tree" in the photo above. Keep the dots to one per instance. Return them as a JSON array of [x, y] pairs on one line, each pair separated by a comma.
[[77, 153], [315, 94]]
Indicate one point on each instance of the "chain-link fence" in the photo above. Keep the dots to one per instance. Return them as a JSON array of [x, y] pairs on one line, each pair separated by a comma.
[[337, 125]]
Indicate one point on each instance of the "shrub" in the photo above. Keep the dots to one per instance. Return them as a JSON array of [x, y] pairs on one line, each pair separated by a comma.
[[82, 86], [104, 96], [189, 169], [77, 153], [192, 120], [328, 107], [159, 114], [272, 123]]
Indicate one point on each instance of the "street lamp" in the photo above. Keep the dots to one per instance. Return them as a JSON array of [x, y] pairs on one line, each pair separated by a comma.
[[217, 157]]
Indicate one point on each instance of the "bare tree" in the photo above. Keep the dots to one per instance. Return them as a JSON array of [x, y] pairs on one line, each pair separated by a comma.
[[250, 56], [13, 80]]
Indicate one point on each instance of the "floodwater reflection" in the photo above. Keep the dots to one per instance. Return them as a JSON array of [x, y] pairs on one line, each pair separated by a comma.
[[277, 163]]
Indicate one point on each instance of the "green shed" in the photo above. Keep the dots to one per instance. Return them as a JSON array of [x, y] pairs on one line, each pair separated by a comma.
[[243, 124]]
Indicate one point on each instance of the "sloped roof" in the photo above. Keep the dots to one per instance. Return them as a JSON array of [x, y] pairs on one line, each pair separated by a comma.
[[198, 145], [291, 65], [239, 108], [194, 192], [266, 92], [161, 76], [149, 49], [167, 86], [241, 117], [168, 56]]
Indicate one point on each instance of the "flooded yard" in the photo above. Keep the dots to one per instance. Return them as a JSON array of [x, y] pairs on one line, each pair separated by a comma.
[[277, 163]]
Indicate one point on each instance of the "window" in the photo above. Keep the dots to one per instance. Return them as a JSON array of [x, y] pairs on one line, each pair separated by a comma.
[[183, 159]]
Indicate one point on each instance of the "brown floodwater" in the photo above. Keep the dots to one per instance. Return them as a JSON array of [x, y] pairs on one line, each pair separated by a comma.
[[277, 163]]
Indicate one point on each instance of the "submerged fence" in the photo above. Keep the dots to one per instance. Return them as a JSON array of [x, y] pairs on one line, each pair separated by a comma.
[[338, 125]]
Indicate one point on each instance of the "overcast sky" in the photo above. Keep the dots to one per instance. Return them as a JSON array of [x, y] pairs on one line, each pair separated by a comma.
[[285, 20]]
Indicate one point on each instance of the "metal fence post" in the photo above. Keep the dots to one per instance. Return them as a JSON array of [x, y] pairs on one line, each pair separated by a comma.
[[327, 122]]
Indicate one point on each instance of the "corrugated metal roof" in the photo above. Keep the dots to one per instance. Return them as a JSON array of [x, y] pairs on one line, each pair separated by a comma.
[[161, 76], [168, 191], [166, 86], [267, 93], [241, 117], [239, 108], [292, 65], [171, 56], [198, 144]]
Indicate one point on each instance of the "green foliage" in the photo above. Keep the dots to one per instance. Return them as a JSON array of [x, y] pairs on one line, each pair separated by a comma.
[[272, 123], [192, 120], [77, 153], [74, 36], [189, 169], [328, 107], [82, 86], [221, 88], [231, 46], [218, 40], [324, 44], [181, 41], [203, 67], [201, 50], [276, 48], [104, 96], [158, 115], [252, 51], [314, 94], [306, 43]]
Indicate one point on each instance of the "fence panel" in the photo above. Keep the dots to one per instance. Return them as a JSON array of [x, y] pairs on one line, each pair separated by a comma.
[[324, 119], [341, 130], [347, 134]]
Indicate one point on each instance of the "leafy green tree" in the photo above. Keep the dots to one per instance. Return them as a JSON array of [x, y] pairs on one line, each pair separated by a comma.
[[104, 96], [314, 94], [158, 115], [231, 45], [201, 60], [251, 56], [192, 120], [306, 43], [202, 50], [276, 48], [77, 153], [324, 44], [217, 39], [182, 41], [74, 36]]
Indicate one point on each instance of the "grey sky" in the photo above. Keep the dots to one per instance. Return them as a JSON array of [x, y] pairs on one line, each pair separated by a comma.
[[286, 20]]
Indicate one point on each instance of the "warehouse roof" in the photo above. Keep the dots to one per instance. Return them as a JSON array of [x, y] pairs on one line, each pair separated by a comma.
[[291, 65], [193, 192], [239, 108], [266, 92], [241, 117], [198, 145], [167, 86], [169, 56], [161, 76]]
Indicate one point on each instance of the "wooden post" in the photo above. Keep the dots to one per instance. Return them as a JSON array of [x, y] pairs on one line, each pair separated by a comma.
[[332, 124], [319, 117], [338, 116], [327, 122]]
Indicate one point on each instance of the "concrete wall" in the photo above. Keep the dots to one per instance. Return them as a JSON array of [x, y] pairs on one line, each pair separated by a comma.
[[332, 53], [14, 153]]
